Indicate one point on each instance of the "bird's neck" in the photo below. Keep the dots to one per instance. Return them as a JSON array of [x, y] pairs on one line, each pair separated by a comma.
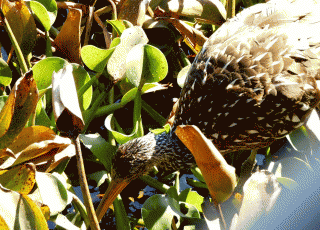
[[173, 153]]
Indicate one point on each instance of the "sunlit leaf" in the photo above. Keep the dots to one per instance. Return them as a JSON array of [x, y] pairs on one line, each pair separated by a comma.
[[44, 69], [129, 38], [95, 58], [56, 197], [158, 212], [66, 106], [191, 197], [100, 148], [20, 178], [5, 73], [134, 64], [46, 12], [211, 11], [287, 182], [183, 74]]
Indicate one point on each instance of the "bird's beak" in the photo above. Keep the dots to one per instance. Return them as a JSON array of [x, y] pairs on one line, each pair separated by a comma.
[[114, 189]]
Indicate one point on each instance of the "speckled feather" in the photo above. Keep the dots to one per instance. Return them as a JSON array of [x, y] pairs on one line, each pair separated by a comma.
[[253, 82]]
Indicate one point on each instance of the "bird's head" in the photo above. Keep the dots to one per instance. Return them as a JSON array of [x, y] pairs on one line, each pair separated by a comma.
[[132, 160]]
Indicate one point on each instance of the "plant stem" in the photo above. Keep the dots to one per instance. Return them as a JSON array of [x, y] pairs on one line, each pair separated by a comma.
[[22, 61], [155, 183], [94, 224]]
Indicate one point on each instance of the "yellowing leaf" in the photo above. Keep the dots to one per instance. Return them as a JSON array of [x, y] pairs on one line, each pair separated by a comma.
[[21, 23], [20, 178], [21, 103]]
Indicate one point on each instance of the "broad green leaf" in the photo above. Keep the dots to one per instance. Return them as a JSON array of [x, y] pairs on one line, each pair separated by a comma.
[[56, 197], [96, 58], [100, 148], [42, 117], [41, 14], [44, 69], [197, 173], [156, 65], [158, 212], [20, 178], [191, 197], [5, 73], [21, 103], [46, 12]]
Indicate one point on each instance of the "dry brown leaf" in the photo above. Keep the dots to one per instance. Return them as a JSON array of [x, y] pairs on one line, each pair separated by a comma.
[[134, 11], [218, 175], [68, 40]]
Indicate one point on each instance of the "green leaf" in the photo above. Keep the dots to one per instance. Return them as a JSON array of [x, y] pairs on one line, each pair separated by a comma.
[[53, 192], [158, 212], [43, 70], [156, 66], [41, 115], [129, 96], [81, 77], [191, 197], [100, 148], [99, 177], [120, 138], [46, 18], [5, 73], [51, 9], [198, 174], [96, 58]]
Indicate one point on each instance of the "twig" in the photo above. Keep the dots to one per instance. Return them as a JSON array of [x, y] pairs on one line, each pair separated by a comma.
[[88, 25], [94, 224], [104, 30]]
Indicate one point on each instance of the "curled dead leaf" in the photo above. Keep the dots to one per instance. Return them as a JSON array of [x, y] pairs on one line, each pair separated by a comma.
[[66, 106]]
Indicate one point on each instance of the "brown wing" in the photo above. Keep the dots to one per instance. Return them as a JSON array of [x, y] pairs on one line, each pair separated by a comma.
[[247, 89]]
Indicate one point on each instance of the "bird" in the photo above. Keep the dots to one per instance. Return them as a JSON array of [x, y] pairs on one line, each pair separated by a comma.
[[254, 81]]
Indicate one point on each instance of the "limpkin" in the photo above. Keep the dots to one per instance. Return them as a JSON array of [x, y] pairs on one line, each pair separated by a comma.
[[253, 82]]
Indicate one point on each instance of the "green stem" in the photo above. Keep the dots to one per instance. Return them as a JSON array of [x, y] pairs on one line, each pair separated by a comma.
[[48, 45], [111, 139], [22, 61], [86, 86], [153, 113], [163, 188], [89, 114]]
